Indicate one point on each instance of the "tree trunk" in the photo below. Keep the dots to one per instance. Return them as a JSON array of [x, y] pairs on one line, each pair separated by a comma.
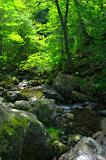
[[63, 21]]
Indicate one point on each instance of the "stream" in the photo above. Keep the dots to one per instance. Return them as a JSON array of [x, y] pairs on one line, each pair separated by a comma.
[[75, 119]]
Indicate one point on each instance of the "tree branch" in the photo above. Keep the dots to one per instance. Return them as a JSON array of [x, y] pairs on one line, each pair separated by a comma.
[[66, 12], [59, 12]]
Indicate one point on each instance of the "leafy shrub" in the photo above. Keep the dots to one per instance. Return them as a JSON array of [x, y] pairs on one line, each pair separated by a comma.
[[41, 62]]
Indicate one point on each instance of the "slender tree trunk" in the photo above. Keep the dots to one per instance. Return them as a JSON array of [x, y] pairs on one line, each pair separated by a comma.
[[63, 21]]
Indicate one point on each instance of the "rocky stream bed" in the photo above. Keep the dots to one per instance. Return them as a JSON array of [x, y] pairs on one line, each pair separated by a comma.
[[31, 117]]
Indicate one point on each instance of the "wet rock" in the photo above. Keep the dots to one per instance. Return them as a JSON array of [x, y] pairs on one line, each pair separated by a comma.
[[33, 101], [23, 84], [1, 89], [86, 149], [45, 110], [64, 121], [55, 158], [22, 136], [10, 105], [53, 94], [69, 116], [73, 139], [100, 136], [59, 148], [91, 105], [2, 104], [84, 104], [103, 126], [22, 105], [36, 81], [1, 99], [13, 96], [9, 81], [79, 97], [1, 93], [102, 113], [65, 84]]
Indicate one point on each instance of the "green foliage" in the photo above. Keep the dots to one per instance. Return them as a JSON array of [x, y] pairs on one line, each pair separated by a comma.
[[54, 133], [100, 81], [16, 29], [42, 62], [31, 36], [15, 37]]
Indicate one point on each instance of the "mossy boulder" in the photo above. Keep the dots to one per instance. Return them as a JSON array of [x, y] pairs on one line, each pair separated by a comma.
[[9, 81], [13, 96], [22, 136], [45, 110], [65, 84], [59, 148], [73, 139], [22, 105]]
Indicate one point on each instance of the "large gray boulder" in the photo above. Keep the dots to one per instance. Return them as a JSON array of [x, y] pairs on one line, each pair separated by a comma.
[[100, 136], [86, 149], [22, 105], [52, 94], [65, 84], [44, 109], [22, 136]]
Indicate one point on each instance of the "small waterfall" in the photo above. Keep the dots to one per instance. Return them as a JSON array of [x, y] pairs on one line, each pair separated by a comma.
[[69, 107]]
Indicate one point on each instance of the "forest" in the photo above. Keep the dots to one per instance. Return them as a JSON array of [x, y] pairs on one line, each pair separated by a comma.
[[53, 80]]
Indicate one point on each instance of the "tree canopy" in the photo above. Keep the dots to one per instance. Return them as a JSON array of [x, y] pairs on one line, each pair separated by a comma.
[[44, 35]]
